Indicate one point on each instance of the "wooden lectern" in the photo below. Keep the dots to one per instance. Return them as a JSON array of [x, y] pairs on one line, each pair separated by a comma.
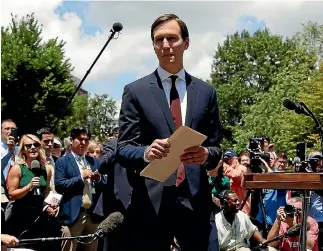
[[304, 182]]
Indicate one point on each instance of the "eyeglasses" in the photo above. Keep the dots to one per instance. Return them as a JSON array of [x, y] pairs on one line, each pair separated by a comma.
[[36, 144], [48, 140], [56, 146]]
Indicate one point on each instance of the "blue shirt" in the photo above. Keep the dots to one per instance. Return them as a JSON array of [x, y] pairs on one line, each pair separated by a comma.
[[316, 207], [273, 199], [7, 159]]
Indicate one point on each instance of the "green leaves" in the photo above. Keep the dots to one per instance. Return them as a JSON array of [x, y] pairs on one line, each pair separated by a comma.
[[35, 75], [253, 74]]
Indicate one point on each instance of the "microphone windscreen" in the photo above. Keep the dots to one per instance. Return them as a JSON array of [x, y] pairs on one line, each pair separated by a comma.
[[111, 222], [117, 27], [35, 164], [297, 160], [289, 104]]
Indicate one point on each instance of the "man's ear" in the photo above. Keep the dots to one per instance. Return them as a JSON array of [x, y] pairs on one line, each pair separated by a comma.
[[186, 43]]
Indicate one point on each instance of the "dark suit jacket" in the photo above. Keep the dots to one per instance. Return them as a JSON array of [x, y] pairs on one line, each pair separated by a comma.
[[68, 181], [117, 193], [145, 116]]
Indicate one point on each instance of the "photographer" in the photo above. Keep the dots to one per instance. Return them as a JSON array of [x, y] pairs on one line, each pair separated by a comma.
[[8, 146], [234, 227], [316, 204], [288, 217]]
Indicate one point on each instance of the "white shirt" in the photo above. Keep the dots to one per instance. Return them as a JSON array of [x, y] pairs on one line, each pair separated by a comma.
[[234, 236], [180, 87]]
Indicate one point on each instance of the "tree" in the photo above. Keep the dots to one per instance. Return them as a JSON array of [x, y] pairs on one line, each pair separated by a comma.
[[102, 111], [35, 75], [77, 115], [246, 65], [311, 37]]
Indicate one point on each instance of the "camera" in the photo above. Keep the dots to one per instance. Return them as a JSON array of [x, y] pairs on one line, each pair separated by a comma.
[[291, 210], [254, 149]]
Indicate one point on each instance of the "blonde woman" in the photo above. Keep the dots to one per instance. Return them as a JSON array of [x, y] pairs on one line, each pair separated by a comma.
[[95, 149], [22, 184]]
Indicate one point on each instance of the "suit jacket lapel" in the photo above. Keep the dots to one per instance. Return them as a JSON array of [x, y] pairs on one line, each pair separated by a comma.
[[73, 163], [159, 94], [191, 98]]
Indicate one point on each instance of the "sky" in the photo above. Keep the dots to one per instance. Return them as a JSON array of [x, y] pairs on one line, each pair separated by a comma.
[[85, 27]]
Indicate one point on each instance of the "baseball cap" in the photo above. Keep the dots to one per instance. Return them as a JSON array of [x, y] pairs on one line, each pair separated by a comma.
[[315, 155], [56, 141], [230, 154]]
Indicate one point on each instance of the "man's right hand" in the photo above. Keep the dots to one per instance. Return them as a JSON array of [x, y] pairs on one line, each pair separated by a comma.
[[86, 174], [281, 216], [157, 150], [11, 143]]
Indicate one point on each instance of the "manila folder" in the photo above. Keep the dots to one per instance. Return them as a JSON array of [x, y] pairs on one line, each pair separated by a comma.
[[183, 138]]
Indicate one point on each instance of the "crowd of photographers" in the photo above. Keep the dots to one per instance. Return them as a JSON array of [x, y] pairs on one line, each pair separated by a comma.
[[270, 212], [243, 219]]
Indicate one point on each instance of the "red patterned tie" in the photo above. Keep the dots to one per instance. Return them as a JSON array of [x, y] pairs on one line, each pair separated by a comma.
[[175, 107]]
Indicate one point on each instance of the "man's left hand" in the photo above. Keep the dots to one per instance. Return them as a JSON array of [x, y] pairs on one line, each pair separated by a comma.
[[195, 155], [96, 176]]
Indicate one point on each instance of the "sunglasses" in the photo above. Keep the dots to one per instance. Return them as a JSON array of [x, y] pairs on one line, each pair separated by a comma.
[[36, 144]]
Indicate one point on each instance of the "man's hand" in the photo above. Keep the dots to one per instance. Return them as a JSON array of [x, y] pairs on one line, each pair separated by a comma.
[[51, 211], [9, 241], [195, 155], [87, 174], [95, 176], [281, 216], [157, 150], [11, 143]]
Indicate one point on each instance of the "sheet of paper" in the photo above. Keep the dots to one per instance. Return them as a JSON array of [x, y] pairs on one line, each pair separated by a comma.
[[183, 138]]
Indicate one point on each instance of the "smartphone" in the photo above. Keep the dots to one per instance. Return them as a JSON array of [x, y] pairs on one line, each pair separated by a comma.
[[14, 133]]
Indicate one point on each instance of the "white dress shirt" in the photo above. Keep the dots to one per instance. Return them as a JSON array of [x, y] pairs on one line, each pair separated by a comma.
[[77, 159], [233, 236], [180, 87]]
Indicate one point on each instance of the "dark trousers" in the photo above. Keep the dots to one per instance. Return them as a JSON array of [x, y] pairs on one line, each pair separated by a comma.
[[146, 231]]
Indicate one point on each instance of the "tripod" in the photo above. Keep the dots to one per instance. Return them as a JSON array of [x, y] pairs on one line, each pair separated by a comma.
[[256, 197]]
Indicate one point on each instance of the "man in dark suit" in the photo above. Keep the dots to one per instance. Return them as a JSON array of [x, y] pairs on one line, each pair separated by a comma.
[[117, 193], [78, 179], [152, 109]]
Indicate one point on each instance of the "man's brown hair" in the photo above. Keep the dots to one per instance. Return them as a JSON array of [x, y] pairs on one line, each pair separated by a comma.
[[168, 17]]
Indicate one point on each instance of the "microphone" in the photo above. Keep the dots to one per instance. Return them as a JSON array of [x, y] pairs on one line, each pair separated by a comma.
[[36, 169], [106, 227], [290, 105], [293, 231], [117, 27]]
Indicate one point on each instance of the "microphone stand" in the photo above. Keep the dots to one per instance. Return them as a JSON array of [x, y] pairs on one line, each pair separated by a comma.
[[265, 244], [80, 238], [117, 27], [317, 122], [306, 193]]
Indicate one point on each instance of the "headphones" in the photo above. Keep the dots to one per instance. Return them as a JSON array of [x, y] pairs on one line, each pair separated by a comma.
[[222, 197]]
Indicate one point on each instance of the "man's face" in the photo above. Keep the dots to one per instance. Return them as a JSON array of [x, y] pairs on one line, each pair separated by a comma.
[[233, 203], [6, 130], [47, 141], [281, 164], [168, 44], [245, 160], [80, 143]]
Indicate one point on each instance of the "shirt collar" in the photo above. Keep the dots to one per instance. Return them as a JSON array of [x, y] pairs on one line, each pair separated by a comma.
[[4, 144], [76, 156], [163, 74]]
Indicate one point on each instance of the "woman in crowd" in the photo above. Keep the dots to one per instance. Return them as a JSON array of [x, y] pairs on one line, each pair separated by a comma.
[[95, 149], [28, 189]]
